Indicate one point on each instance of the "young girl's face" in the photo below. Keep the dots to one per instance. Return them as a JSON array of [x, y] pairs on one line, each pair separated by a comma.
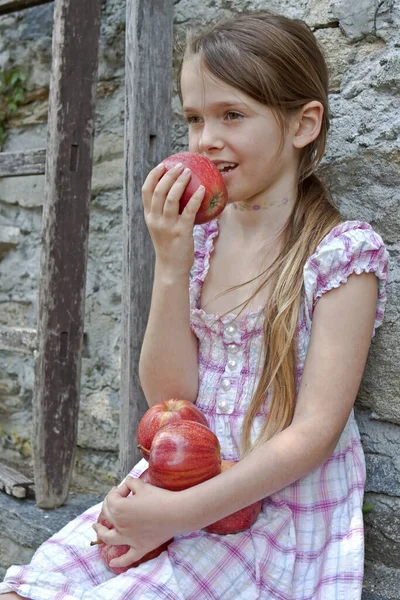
[[240, 135]]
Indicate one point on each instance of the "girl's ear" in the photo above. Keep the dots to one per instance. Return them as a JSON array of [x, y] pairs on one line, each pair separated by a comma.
[[308, 123]]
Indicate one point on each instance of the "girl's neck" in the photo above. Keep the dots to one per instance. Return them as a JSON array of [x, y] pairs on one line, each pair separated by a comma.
[[243, 206], [259, 219]]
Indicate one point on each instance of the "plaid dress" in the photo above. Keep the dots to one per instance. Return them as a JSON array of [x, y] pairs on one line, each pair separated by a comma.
[[307, 543]]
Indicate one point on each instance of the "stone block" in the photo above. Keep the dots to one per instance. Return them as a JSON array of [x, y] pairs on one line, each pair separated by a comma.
[[108, 175], [380, 385], [383, 474], [23, 191], [382, 530], [107, 146], [380, 582], [9, 238], [319, 12], [338, 52], [361, 18]]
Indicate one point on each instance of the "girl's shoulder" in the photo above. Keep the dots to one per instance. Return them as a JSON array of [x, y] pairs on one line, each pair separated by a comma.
[[352, 247]]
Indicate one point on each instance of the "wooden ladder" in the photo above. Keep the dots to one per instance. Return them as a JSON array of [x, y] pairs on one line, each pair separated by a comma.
[[67, 165]]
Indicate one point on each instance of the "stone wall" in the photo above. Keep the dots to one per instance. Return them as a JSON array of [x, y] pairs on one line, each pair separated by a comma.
[[360, 39]]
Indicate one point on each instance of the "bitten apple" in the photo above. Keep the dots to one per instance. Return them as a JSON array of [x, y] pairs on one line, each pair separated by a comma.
[[161, 414], [238, 521], [183, 454], [203, 172]]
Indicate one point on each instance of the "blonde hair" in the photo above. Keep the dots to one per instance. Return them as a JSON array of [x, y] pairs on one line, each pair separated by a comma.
[[277, 61]]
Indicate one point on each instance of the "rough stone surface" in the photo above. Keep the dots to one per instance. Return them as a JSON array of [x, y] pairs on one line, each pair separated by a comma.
[[380, 582], [361, 168], [364, 17], [9, 238]]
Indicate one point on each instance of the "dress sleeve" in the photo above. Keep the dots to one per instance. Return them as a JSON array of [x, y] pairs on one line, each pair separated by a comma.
[[351, 247], [199, 237], [203, 236]]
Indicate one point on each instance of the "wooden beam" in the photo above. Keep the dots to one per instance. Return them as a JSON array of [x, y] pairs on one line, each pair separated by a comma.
[[18, 339], [9, 6], [15, 164], [149, 42], [64, 246], [14, 483]]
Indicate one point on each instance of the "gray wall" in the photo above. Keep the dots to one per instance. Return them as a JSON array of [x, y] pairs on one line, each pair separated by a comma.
[[360, 39]]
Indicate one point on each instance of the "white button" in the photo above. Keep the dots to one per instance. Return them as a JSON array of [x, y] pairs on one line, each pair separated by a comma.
[[232, 348], [223, 406], [225, 384], [232, 364], [230, 329]]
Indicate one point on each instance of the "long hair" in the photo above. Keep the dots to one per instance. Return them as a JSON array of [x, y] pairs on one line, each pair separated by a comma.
[[277, 61]]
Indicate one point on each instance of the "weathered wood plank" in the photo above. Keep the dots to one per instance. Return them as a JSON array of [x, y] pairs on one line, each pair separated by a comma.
[[18, 339], [64, 246], [9, 6], [29, 162], [14, 483], [149, 35]]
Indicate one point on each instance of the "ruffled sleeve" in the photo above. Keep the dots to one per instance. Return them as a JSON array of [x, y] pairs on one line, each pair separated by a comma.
[[203, 236], [351, 247]]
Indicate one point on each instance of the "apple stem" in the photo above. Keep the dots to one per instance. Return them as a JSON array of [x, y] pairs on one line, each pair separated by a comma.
[[143, 449], [97, 542]]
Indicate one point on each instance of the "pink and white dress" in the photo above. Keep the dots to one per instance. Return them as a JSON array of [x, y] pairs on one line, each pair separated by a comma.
[[307, 543]]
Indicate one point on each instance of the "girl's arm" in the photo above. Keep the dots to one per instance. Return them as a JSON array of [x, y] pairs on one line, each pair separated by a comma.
[[341, 332], [168, 361]]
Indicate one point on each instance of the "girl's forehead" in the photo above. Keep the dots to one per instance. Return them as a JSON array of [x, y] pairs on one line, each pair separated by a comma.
[[201, 87]]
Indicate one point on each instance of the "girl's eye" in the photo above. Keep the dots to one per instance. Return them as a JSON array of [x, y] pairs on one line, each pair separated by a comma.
[[192, 119], [233, 115]]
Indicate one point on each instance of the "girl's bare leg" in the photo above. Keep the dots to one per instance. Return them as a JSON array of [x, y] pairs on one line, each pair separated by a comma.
[[11, 596]]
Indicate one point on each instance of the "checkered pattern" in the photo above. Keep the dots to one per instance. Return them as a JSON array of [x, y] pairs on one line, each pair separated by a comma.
[[307, 543]]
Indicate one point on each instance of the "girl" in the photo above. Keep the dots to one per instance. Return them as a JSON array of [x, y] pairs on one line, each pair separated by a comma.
[[270, 341]]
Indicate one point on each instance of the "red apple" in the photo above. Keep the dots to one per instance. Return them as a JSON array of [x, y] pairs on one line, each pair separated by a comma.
[[203, 172], [183, 454], [161, 414], [108, 552], [238, 521]]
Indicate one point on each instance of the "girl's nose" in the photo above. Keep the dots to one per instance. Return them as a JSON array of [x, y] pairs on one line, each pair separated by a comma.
[[209, 139]]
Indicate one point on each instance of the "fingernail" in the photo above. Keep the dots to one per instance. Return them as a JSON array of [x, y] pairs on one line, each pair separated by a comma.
[[201, 188], [186, 172], [178, 166], [160, 166]]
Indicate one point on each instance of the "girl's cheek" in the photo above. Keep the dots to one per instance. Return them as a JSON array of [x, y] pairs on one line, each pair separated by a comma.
[[193, 143]]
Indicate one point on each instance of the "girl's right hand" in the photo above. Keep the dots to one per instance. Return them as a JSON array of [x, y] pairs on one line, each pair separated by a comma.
[[171, 233]]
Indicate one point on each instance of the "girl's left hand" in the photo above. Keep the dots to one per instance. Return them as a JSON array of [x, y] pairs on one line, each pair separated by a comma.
[[143, 521]]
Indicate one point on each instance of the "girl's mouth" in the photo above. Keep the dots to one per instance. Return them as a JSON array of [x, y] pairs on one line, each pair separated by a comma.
[[226, 168]]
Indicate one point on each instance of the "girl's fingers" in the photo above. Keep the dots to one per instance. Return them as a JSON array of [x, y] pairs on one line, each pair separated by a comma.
[[163, 188], [189, 212], [171, 206], [134, 484], [126, 559], [108, 536], [150, 183]]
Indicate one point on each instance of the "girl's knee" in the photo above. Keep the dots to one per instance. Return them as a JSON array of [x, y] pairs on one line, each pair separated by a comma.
[[11, 596]]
